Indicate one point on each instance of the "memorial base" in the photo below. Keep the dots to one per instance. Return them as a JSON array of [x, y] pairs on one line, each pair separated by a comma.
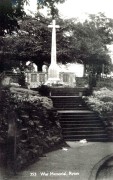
[[53, 75], [53, 82]]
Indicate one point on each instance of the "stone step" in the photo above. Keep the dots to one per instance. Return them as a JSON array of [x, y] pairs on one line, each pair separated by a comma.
[[66, 98], [87, 132], [82, 136], [69, 98], [89, 139], [82, 128], [71, 112], [68, 103], [79, 118], [68, 91], [80, 122], [77, 121], [76, 93], [65, 94], [79, 125], [71, 108], [78, 115]]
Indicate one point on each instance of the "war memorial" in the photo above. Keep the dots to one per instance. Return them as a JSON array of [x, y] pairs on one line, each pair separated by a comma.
[[33, 125]]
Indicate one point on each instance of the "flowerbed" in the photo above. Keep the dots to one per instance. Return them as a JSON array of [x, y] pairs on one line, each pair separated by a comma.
[[36, 123], [101, 101]]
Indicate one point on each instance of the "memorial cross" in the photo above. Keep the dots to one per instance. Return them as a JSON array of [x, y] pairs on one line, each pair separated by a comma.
[[53, 46]]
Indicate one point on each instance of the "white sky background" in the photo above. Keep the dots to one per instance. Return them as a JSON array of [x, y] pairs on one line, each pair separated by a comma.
[[79, 8]]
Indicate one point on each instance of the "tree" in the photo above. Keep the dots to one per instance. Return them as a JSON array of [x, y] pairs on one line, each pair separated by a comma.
[[76, 42], [8, 22], [33, 42], [30, 43], [11, 10], [89, 41], [51, 4]]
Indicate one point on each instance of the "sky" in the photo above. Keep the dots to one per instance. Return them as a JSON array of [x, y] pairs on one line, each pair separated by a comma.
[[80, 8]]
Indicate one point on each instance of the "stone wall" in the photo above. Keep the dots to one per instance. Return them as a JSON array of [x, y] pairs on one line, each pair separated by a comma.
[[29, 127], [66, 78], [39, 79]]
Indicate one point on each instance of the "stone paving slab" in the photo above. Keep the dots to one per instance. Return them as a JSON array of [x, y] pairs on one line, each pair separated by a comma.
[[73, 163]]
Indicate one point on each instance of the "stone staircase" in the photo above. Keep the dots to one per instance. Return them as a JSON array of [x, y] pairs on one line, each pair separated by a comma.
[[69, 103], [77, 121]]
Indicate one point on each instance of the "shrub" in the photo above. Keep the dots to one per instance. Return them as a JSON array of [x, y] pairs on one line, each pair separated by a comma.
[[101, 101], [82, 82], [37, 126], [105, 82], [44, 90]]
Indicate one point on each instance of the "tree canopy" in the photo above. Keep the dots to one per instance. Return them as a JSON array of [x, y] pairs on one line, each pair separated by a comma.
[[89, 41], [11, 10], [30, 38], [76, 42]]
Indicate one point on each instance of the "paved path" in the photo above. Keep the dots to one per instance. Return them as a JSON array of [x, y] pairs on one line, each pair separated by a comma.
[[73, 163]]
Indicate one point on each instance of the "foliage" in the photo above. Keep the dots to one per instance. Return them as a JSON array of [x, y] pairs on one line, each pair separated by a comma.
[[82, 41], [20, 95], [33, 42], [28, 44], [89, 43], [82, 81], [11, 10], [105, 82], [8, 21], [51, 4], [37, 126], [101, 101], [104, 27]]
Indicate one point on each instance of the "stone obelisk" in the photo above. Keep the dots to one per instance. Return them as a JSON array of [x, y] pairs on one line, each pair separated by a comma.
[[53, 71]]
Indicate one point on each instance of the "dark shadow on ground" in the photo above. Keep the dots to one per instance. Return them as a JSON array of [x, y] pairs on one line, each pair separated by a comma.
[[106, 171]]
